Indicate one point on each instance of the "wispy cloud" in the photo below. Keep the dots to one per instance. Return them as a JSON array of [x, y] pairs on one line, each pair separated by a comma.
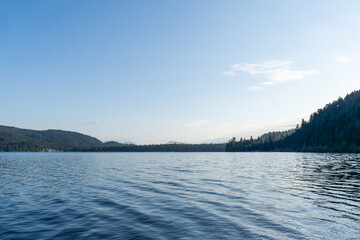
[[347, 58], [90, 123], [196, 123], [274, 71]]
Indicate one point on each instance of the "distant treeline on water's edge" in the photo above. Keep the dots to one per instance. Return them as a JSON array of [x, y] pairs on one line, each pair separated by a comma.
[[24, 140], [219, 147], [334, 128]]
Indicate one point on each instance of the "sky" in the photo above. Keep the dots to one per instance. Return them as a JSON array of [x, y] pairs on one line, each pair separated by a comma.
[[188, 71]]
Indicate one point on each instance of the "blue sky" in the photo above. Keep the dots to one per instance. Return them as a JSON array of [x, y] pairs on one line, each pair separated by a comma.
[[190, 71]]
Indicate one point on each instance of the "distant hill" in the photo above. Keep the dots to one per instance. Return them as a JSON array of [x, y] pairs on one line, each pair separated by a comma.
[[277, 135], [17, 139], [215, 141], [112, 144], [117, 144], [334, 128]]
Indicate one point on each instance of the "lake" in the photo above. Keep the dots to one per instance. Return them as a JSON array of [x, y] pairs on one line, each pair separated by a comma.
[[179, 196]]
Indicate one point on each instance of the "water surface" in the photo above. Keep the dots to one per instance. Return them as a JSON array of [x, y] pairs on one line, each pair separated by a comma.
[[179, 196]]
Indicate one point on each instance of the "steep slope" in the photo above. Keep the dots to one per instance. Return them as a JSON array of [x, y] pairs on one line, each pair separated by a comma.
[[334, 128]]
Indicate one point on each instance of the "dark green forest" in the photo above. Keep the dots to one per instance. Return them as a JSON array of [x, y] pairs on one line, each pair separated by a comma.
[[334, 128], [219, 147], [24, 140]]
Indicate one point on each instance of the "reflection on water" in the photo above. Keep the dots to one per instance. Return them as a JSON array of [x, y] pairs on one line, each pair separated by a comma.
[[179, 196]]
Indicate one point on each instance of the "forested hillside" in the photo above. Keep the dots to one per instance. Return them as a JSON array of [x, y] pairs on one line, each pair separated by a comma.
[[16, 139], [334, 128]]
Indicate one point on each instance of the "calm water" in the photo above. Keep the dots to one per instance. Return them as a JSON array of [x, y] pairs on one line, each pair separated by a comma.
[[179, 196]]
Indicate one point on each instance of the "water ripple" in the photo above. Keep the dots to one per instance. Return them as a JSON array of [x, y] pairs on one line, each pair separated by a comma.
[[179, 196]]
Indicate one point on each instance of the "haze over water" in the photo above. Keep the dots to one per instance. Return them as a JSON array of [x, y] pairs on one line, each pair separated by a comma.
[[179, 196]]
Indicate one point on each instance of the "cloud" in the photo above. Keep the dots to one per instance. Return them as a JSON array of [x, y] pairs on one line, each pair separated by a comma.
[[274, 71], [91, 123], [346, 58], [196, 123]]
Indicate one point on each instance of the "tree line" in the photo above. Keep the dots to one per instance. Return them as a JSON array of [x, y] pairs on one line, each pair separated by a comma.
[[158, 148]]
